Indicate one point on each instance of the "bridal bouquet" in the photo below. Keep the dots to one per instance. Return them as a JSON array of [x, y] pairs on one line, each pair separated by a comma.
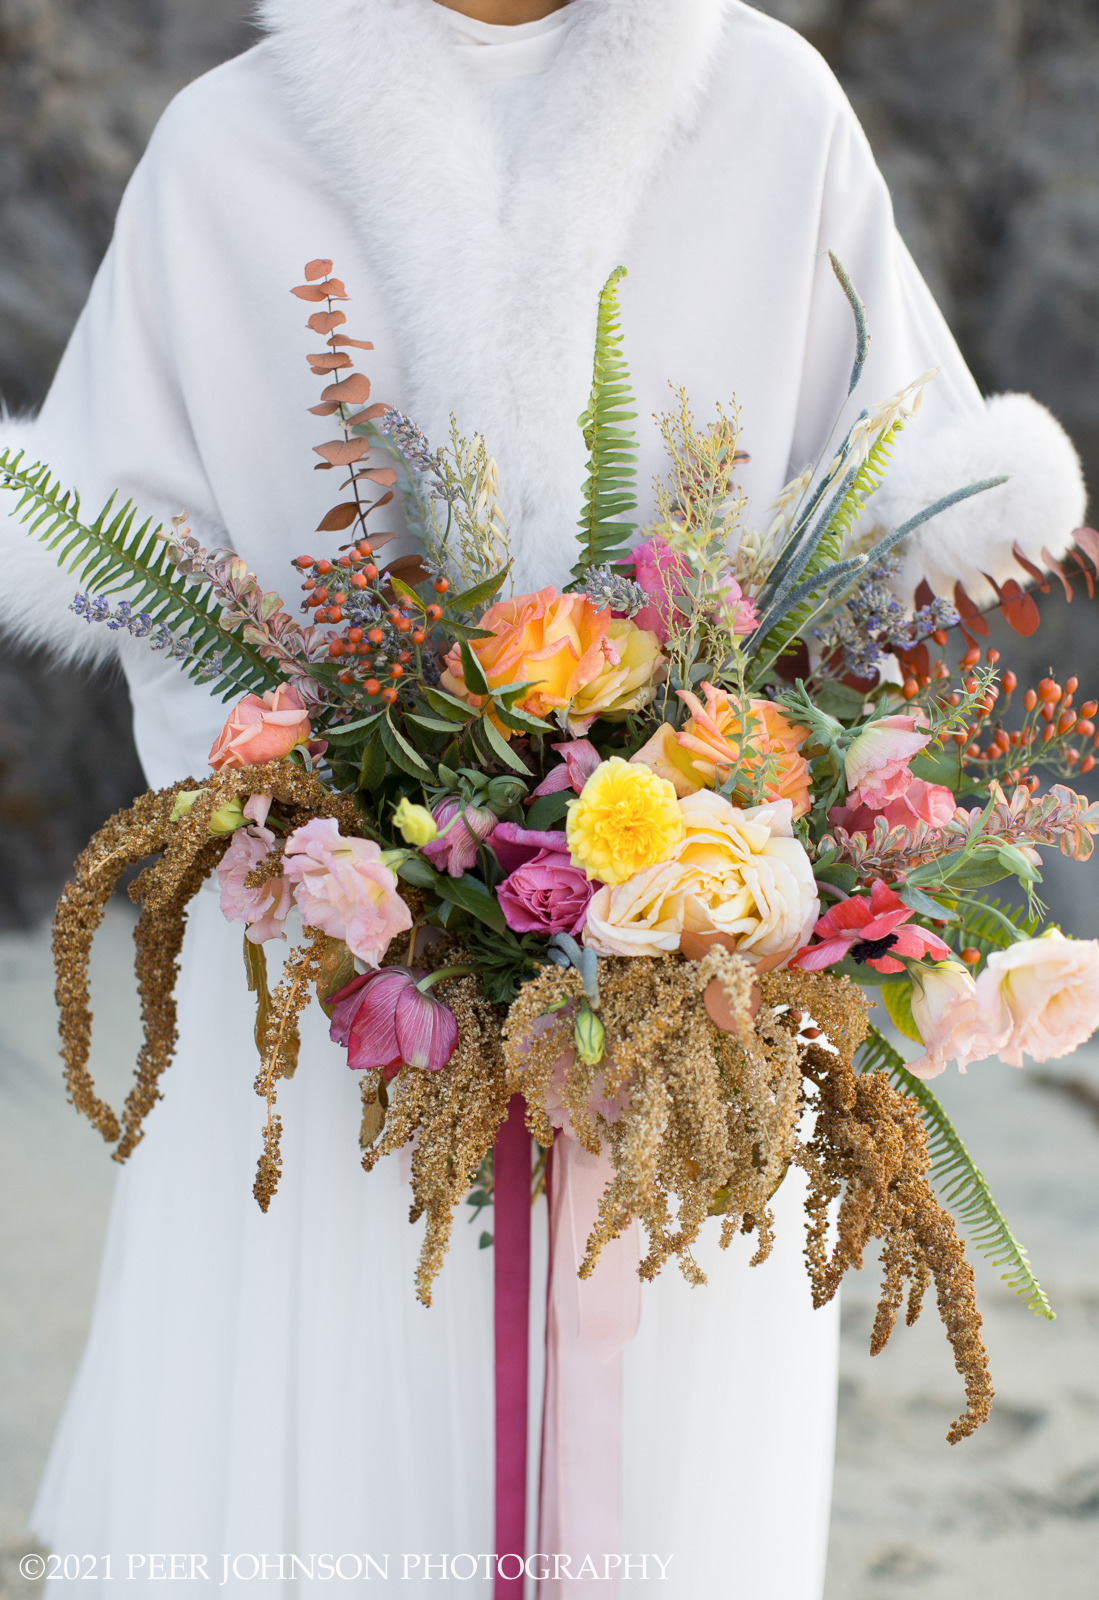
[[644, 851]]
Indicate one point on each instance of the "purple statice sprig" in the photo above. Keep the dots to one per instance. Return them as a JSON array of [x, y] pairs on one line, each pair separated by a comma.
[[874, 622], [140, 625]]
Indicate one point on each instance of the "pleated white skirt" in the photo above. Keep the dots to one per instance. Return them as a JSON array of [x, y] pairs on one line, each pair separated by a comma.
[[268, 1386]]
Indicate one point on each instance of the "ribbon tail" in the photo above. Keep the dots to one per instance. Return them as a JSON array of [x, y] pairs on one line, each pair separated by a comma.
[[511, 1251], [588, 1325]]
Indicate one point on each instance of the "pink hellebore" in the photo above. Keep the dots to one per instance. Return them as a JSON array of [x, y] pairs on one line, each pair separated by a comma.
[[261, 730], [921, 802], [345, 889], [877, 762], [870, 932], [385, 1020], [462, 831], [581, 760], [263, 910], [544, 893]]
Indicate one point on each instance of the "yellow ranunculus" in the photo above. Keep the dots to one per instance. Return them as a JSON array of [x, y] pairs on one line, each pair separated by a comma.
[[634, 667], [625, 820]]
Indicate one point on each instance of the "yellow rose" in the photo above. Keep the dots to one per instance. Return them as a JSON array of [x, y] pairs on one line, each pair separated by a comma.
[[625, 820], [736, 874], [633, 668], [702, 753]]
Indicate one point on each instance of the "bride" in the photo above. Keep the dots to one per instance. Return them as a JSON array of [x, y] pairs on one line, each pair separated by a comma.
[[255, 1387]]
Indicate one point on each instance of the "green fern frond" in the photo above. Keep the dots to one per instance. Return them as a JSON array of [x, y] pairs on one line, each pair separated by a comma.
[[111, 556], [984, 929], [610, 489], [956, 1176]]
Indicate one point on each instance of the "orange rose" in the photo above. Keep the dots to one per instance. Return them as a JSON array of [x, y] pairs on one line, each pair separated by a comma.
[[556, 641], [701, 754], [261, 730]]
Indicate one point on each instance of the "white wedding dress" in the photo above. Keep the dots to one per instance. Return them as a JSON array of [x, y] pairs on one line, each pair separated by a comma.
[[261, 1386]]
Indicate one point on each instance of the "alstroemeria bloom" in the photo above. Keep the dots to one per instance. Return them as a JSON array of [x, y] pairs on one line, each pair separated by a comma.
[[462, 829], [264, 910], [1045, 993], [873, 932], [581, 760], [740, 877], [877, 762], [944, 1009], [556, 642], [543, 893], [921, 802], [344, 888], [701, 753], [261, 730], [384, 1020]]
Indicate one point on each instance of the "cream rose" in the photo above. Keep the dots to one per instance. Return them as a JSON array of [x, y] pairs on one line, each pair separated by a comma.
[[742, 874], [1044, 993]]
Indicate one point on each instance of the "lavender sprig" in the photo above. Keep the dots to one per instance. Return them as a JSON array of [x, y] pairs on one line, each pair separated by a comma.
[[140, 625], [877, 622]]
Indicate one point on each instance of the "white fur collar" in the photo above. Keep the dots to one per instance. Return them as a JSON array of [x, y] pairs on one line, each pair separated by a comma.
[[492, 260]]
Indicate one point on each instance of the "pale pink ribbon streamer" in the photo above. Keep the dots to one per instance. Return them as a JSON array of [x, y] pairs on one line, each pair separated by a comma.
[[588, 1325]]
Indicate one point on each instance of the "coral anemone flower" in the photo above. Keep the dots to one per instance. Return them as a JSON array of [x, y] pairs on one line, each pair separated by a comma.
[[872, 933], [385, 1019]]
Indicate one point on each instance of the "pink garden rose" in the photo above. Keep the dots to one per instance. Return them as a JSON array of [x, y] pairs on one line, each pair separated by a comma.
[[921, 802], [944, 1009], [384, 1020], [263, 910], [1043, 994], [261, 730], [877, 762], [544, 893], [462, 831], [345, 889]]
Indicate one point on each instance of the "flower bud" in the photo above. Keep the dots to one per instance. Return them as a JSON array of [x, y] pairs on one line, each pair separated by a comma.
[[591, 1038], [504, 793], [226, 819], [415, 824]]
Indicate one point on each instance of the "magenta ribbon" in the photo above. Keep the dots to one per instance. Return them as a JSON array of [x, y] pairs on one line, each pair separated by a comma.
[[511, 1250], [588, 1325]]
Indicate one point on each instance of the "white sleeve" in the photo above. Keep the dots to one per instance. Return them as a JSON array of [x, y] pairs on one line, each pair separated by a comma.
[[958, 438]]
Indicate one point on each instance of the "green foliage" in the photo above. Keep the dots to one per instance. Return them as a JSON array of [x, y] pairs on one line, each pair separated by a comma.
[[610, 490], [983, 925], [111, 556], [958, 1179]]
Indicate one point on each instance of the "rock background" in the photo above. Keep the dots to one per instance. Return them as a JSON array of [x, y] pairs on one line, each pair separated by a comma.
[[984, 116]]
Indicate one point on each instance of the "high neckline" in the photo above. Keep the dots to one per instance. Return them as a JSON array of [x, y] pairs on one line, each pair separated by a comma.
[[496, 52]]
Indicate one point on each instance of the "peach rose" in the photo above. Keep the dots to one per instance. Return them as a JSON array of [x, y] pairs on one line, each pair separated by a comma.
[[1043, 994], [558, 642], [702, 752], [261, 730], [738, 875], [633, 667], [944, 1009]]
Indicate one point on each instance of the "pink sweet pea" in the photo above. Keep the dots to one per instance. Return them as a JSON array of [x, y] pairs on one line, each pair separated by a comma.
[[877, 762], [581, 760], [345, 889], [544, 893], [737, 614], [261, 730], [872, 932], [384, 1020], [921, 802], [264, 910], [662, 574], [462, 831]]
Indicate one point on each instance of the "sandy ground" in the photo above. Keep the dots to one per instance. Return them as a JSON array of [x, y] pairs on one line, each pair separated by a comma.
[[1012, 1513]]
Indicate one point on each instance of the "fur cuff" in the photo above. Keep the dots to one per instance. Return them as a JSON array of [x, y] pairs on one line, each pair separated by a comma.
[[1039, 509], [35, 593]]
